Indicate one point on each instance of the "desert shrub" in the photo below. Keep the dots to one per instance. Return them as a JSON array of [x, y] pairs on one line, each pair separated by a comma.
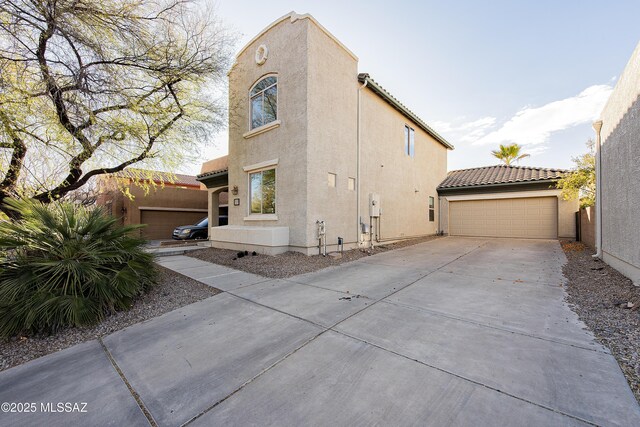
[[66, 265]]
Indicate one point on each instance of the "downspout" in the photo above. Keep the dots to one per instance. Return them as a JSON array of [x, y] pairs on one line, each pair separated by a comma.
[[439, 212], [359, 234], [597, 126]]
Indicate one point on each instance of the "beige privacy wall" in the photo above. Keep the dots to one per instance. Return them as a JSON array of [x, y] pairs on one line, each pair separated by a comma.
[[624, 95], [620, 172], [317, 134]]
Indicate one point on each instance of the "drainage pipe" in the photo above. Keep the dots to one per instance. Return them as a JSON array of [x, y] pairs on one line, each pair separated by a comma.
[[439, 212], [597, 126], [358, 131]]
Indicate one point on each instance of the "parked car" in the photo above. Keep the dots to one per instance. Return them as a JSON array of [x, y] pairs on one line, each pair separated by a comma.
[[198, 230]]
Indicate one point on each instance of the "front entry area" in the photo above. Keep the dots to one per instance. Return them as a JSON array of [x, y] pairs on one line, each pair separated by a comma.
[[527, 217]]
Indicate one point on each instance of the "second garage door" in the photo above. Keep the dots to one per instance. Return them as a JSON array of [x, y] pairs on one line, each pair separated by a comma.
[[160, 224], [535, 217]]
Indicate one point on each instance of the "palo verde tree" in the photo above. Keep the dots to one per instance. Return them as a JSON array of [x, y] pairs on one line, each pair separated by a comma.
[[90, 87], [509, 153], [581, 180]]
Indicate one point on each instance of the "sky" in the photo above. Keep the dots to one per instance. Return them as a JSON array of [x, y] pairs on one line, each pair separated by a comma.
[[481, 73]]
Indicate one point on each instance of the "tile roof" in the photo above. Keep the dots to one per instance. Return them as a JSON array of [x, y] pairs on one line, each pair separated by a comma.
[[384, 94], [214, 167], [211, 173], [157, 176], [498, 174]]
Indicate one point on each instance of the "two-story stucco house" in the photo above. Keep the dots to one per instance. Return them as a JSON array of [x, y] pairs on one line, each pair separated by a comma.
[[314, 143]]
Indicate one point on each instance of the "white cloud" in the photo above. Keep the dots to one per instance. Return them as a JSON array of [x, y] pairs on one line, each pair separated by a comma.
[[536, 149], [465, 131], [476, 129], [533, 126]]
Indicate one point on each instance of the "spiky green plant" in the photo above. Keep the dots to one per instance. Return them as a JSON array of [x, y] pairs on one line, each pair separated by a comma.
[[67, 265], [509, 153]]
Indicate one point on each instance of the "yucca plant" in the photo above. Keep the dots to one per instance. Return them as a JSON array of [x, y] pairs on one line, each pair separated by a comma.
[[66, 265]]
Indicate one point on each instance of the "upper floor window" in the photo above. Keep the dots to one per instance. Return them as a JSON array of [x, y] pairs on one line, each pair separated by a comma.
[[409, 141], [264, 102]]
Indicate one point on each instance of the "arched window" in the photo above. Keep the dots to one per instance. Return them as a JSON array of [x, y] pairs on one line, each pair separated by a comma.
[[264, 102]]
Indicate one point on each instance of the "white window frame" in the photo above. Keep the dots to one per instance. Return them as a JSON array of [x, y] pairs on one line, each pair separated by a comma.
[[409, 141], [431, 209], [263, 125], [270, 165]]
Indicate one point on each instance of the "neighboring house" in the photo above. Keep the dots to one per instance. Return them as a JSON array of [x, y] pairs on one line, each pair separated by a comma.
[[311, 140], [169, 200], [506, 201], [618, 174]]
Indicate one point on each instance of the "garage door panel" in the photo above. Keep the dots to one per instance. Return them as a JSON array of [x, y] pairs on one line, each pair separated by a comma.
[[160, 224], [518, 217]]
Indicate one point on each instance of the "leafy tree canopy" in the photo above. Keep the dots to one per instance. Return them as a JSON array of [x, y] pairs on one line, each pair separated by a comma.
[[581, 181], [90, 87]]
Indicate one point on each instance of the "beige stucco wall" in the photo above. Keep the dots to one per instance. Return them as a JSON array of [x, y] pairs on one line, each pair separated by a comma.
[[404, 183], [620, 172], [588, 226], [317, 135], [566, 208], [332, 136], [287, 44]]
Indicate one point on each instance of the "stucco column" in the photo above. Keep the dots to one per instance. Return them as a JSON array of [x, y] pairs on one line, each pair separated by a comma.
[[214, 208]]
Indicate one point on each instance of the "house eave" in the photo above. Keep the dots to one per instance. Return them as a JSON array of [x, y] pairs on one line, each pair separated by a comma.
[[215, 179], [499, 187]]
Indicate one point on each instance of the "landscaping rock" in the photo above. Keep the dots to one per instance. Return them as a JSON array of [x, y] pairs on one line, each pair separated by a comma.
[[606, 302]]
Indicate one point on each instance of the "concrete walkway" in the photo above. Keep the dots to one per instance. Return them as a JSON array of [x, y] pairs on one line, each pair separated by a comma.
[[456, 331]]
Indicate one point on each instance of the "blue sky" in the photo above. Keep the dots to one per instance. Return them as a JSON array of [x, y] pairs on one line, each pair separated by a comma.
[[480, 73]]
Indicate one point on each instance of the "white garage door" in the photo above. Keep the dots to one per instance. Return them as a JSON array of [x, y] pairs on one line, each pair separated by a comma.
[[535, 217]]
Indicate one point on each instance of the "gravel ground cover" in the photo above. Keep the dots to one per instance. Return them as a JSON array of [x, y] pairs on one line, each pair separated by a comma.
[[608, 303], [291, 263], [172, 291]]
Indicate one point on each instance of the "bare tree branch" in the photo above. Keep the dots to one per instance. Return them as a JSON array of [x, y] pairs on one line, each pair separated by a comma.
[[99, 86]]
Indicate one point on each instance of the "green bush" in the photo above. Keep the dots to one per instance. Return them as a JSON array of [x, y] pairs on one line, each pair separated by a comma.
[[66, 265]]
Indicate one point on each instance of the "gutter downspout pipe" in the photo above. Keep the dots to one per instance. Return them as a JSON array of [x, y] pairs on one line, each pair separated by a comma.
[[359, 233], [597, 126]]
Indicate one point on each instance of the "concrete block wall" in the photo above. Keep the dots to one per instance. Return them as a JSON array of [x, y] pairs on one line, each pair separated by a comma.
[[620, 195], [620, 173], [588, 226]]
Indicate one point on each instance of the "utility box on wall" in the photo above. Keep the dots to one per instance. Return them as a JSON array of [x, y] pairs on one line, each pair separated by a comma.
[[374, 205]]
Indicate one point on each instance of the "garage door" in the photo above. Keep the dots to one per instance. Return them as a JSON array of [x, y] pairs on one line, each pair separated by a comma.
[[535, 217], [160, 224]]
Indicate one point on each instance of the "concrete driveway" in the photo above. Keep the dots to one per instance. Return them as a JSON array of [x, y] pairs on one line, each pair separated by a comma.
[[456, 331]]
